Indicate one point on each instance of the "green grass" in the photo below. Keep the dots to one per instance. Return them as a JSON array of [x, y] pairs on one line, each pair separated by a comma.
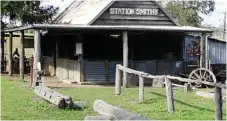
[[16, 103]]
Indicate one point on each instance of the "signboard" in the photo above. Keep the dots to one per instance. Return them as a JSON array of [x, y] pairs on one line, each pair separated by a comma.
[[78, 49], [133, 11]]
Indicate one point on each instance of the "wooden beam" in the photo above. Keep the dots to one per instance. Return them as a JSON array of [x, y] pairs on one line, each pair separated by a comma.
[[146, 75], [10, 46], [21, 54], [125, 56], [61, 101], [169, 95], [37, 54], [218, 103], [114, 113]]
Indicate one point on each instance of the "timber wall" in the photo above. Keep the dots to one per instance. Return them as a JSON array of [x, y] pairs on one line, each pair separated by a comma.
[[65, 69]]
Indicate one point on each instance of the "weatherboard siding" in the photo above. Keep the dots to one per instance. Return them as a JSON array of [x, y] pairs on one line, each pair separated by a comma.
[[65, 69], [134, 19]]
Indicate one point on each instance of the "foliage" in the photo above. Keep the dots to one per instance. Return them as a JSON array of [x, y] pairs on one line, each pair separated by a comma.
[[27, 12], [218, 31], [189, 12], [17, 104]]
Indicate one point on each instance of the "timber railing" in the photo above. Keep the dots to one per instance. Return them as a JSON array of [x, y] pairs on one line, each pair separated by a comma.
[[169, 90]]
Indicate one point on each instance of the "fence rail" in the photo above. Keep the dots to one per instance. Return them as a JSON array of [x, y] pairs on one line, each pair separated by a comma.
[[168, 84]]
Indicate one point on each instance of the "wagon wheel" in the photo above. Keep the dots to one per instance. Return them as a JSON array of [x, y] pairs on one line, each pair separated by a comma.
[[203, 75]]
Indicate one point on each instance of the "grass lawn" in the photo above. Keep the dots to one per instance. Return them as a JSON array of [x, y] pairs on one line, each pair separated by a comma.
[[16, 103]]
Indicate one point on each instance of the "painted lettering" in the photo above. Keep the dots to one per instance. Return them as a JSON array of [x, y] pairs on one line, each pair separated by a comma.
[[133, 11]]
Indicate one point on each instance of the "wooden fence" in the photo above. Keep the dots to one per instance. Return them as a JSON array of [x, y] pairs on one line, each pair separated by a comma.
[[168, 85]]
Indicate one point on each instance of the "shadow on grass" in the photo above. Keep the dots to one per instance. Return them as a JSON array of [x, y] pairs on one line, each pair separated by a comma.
[[183, 103], [153, 100]]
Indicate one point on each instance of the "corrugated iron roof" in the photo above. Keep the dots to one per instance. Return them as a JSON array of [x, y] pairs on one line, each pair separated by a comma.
[[95, 27], [82, 12]]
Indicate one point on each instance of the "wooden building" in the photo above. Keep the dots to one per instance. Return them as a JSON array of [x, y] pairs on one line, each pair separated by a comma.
[[90, 37]]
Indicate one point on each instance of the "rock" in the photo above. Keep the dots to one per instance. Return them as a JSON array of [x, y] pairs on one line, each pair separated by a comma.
[[79, 105]]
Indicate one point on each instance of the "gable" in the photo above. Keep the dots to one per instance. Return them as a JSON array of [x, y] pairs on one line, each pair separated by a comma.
[[135, 13], [82, 11]]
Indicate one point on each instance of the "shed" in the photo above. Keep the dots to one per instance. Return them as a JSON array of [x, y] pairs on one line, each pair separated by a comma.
[[90, 37]]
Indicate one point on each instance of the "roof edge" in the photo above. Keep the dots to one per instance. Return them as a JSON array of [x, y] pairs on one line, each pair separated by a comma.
[[101, 12], [101, 27], [167, 14], [64, 11]]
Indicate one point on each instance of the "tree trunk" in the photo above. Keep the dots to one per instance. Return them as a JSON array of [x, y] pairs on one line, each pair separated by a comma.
[[61, 101], [113, 112]]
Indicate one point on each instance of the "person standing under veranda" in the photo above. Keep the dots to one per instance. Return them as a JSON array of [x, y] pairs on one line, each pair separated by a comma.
[[31, 59]]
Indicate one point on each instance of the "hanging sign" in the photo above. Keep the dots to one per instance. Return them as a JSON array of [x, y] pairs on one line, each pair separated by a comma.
[[133, 11], [78, 49]]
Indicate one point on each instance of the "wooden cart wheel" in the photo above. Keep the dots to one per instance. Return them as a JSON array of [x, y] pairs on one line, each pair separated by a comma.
[[203, 75]]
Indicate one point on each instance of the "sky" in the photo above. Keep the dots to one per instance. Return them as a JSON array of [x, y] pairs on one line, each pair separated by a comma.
[[215, 19]]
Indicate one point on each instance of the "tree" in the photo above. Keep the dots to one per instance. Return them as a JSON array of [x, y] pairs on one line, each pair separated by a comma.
[[27, 12], [189, 13], [218, 31]]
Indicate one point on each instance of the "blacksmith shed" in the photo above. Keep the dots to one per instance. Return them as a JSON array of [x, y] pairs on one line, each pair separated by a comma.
[[90, 37]]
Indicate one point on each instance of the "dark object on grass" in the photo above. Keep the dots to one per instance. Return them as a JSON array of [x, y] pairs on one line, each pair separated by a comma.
[[79, 105]]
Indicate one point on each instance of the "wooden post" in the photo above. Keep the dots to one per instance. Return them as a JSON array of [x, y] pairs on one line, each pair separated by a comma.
[[169, 95], [80, 57], [22, 55], [37, 54], [125, 57], [206, 51], [10, 53], [117, 81], [187, 87], [201, 60], [106, 71], [55, 57], [141, 89], [218, 103], [2, 49]]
